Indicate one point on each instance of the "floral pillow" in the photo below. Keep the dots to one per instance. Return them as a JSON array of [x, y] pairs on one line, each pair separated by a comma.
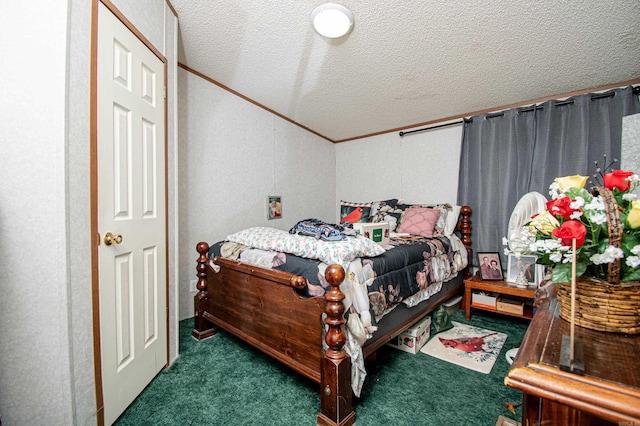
[[419, 221], [448, 220], [386, 211], [354, 212], [441, 223]]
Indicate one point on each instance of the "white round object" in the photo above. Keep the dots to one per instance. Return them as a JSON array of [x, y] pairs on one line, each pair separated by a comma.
[[511, 355], [530, 204], [332, 20]]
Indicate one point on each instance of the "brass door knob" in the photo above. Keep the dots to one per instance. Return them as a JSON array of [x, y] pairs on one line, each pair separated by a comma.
[[109, 238]]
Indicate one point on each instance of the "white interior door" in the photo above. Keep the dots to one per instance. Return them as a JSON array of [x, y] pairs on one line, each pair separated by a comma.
[[131, 206]]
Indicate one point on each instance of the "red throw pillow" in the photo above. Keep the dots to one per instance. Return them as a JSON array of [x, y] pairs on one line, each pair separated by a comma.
[[419, 221], [354, 212]]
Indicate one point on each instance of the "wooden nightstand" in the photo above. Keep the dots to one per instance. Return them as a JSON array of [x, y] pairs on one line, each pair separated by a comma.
[[501, 288]]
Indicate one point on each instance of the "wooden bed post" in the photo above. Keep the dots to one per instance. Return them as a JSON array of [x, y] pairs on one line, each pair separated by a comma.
[[335, 383], [202, 328], [464, 227]]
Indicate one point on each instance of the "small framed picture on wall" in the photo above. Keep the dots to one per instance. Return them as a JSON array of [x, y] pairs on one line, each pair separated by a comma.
[[490, 267], [274, 207]]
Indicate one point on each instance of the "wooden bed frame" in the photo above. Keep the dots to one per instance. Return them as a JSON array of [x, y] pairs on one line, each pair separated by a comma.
[[261, 307]]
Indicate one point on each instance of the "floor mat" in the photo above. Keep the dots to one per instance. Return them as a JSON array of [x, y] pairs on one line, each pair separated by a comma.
[[468, 346]]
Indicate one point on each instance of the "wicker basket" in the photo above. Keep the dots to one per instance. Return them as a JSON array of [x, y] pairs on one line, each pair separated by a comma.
[[604, 305]]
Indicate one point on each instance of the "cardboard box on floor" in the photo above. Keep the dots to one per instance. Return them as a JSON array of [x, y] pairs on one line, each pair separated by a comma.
[[413, 338]]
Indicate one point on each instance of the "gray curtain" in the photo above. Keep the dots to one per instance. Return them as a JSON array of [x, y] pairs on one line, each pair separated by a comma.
[[508, 154]]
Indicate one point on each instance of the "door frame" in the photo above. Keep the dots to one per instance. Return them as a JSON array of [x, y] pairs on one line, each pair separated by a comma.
[[93, 178]]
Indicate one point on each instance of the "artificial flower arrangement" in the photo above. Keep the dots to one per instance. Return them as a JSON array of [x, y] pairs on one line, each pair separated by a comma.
[[575, 213]]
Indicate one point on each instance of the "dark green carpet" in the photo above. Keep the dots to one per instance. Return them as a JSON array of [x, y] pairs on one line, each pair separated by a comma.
[[223, 381]]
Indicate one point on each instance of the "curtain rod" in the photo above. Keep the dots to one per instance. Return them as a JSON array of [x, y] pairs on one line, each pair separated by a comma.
[[594, 96], [464, 120]]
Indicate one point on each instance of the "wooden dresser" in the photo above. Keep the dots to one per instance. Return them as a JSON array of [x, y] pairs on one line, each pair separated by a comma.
[[607, 394]]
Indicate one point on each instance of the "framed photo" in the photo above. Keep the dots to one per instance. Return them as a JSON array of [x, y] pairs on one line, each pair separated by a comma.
[[490, 267], [274, 207], [524, 264]]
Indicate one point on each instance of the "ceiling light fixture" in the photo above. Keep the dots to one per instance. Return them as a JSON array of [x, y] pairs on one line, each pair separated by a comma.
[[332, 20]]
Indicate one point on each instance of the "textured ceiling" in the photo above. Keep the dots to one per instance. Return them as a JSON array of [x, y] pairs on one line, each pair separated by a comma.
[[407, 62]]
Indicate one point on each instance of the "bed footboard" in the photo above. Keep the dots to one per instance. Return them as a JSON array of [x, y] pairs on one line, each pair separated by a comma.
[[202, 328], [335, 388], [261, 307]]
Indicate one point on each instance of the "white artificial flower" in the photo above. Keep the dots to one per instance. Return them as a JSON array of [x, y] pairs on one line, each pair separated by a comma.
[[614, 252], [629, 196], [534, 247], [555, 257], [555, 244], [553, 190], [633, 261], [636, 250], [577, 203], [526, 233], [539, 246], [596, 204], [505, 241], [576, 215], [610, 254], [598, 218], [598, 259]]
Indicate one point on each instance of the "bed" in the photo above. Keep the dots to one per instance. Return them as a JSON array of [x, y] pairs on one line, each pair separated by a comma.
[[275, 311]]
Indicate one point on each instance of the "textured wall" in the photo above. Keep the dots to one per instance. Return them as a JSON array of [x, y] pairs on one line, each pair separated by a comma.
[[46, 367], [232, 155], [35, 379], [419, 168], [82, 397]]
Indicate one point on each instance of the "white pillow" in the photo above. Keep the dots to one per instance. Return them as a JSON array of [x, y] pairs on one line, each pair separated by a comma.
[[340, 252], [452, 220]]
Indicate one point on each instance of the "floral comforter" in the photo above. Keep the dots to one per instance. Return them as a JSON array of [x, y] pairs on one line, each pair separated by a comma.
[[402, 273]]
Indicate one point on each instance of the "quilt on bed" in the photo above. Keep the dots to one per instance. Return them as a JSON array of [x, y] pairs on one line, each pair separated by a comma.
[[410, 270]]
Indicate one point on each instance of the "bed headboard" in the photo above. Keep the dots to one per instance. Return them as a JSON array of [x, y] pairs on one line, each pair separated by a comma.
[[464, 228]]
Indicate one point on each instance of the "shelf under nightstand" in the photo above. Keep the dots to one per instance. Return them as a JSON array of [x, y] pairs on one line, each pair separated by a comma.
[[501, 288]]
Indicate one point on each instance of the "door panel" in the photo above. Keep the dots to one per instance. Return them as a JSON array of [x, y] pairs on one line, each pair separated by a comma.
[[131, 205]]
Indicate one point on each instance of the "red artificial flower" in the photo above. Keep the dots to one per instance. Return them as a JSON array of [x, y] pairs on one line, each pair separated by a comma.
[[560, 206], [617, 179], [570, 230]]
